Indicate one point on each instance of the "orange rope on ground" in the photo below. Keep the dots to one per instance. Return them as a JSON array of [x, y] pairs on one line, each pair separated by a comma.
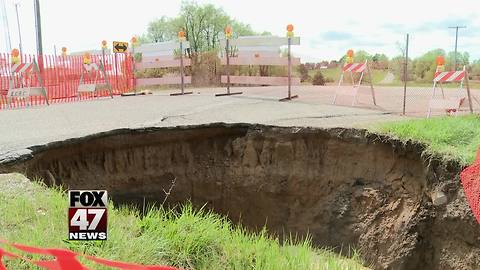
[[67, 260]]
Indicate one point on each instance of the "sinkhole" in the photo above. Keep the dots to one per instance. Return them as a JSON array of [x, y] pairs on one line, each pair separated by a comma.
[[345, 188]]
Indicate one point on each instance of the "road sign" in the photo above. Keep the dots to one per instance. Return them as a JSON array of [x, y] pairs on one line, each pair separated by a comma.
[[120, 46]]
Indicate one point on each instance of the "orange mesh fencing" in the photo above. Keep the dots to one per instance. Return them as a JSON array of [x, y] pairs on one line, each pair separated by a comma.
[[65, 259], [470, 177]]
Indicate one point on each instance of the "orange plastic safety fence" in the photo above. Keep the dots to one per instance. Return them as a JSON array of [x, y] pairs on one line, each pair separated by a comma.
[[471, 185], [66, 259]]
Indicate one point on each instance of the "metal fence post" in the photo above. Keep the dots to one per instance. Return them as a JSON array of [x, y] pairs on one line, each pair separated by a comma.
[[405, 76]]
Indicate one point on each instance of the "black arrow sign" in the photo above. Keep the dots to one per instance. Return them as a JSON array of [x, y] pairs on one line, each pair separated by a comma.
[[121, 47]]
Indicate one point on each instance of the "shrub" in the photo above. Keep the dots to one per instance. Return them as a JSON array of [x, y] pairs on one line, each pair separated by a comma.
[[318, 78], [302, 69]]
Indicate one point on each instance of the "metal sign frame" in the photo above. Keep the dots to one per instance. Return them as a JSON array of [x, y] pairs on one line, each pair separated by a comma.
[[94, 86], [227, 55], [182, 79], [356, 87], [26, 92], [445, 101]]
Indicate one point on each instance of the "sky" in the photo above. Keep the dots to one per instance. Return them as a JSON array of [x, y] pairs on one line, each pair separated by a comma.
[[327, 28]]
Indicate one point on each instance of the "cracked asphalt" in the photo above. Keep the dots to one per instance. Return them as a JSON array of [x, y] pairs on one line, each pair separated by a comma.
[[23, 128]]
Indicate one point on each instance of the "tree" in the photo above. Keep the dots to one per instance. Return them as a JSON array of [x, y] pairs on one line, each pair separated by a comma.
[[203, 25], [358, 56], [241, 29], [462, 60], [304, 76], [424, 66], [318, 78], [160, 30], [397, 65], [361, 56], [380, 61], [475, 69]]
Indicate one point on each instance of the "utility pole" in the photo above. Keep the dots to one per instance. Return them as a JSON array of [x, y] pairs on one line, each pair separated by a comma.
[[18, 26], [3, 13], [38, 27], [456, 41]]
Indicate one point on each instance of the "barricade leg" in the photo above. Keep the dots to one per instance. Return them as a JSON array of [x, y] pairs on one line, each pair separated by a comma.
[[336, 90]]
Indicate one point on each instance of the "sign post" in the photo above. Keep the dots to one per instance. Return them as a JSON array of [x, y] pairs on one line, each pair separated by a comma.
[[133, 40], [182, 83], [181, 39], [228, 36], [104, 47], [289, 35], [118, 47]]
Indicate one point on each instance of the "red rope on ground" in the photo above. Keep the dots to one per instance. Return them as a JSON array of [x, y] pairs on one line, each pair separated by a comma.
[[65, 259]]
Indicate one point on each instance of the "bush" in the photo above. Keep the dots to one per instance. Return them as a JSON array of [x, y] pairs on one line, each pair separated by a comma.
[[302, 69], [329, 80], [205, 69], [318, 78]]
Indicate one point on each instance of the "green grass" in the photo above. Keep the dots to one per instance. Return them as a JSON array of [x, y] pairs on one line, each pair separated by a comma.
[[455, 138], [379, 75], [334, 74], [32, 214]]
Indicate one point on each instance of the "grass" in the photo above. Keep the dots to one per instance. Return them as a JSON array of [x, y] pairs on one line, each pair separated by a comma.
[[455, 138], [32, 214], [334, 74], [379, 75]]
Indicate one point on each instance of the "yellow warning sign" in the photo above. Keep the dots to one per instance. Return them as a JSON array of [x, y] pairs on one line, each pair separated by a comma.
[[120, 46]]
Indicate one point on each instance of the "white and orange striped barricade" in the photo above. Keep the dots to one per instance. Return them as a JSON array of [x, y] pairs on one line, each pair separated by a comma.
[[450, 104], [257, 51], [352, 68], [91, 79], [22, 85], [168, 54]]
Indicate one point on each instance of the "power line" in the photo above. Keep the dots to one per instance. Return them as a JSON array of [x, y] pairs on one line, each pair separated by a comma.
[[456, 41]]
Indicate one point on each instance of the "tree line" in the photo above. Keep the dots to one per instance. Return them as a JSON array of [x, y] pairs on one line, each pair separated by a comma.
[[420, 69], [203, 25]]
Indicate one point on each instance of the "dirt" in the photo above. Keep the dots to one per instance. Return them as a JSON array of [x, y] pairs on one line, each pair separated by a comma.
[[346, 188]]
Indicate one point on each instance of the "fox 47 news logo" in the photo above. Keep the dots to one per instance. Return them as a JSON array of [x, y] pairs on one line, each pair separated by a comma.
[[87, 215]]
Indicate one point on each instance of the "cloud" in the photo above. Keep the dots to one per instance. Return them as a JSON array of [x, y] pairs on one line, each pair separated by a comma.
[[434, 25], [336, 35], [394, 27], [345, 39], [365, 41]]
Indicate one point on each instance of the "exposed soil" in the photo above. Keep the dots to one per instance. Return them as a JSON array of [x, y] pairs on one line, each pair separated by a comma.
[[344, 187]]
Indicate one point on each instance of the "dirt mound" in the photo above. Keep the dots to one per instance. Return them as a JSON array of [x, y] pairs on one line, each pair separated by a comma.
[[344, 187]]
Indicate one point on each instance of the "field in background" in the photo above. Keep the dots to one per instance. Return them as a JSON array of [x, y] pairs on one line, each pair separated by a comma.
[[332, 75]]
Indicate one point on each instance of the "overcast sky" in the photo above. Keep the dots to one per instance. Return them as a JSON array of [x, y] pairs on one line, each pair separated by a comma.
[[327, 28]]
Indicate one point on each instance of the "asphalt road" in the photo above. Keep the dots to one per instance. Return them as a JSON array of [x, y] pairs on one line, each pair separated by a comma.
[[23, 128]]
